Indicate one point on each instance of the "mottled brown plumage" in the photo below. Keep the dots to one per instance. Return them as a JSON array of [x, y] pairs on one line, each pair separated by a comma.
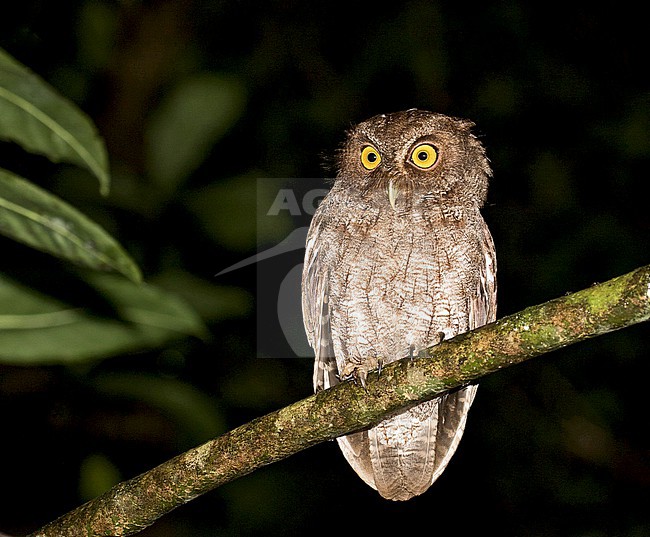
[[398, 258]]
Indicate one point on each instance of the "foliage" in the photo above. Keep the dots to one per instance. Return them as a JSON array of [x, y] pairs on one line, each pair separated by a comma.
[[250, 91], [37, 328]]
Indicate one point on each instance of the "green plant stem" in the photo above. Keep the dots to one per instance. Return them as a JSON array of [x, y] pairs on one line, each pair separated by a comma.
[[133, 505]]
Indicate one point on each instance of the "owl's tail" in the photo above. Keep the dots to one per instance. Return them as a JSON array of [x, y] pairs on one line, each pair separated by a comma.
[[402, 456]]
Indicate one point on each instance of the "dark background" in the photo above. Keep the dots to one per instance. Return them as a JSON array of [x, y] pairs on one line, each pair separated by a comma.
[[560, 96]]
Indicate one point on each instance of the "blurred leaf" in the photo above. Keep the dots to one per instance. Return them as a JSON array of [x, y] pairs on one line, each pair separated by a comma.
[[35, 217], [631, 134], [190, 120], [212, 302], [148, 305], [499, 96], [35, 116], [551, 182], [273, 495], [96, 475], [38, 329], [195, 412], [234, 212], [96, 31]]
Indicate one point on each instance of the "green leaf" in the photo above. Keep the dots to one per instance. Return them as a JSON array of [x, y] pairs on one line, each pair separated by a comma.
[[189, 121], [38, 329], [35, 217], [213, 302], [233, 212], [148, 305], [97, 474], [35, 116]]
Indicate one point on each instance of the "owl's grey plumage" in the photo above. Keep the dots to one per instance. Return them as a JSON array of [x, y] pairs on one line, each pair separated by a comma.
[[398, 258]]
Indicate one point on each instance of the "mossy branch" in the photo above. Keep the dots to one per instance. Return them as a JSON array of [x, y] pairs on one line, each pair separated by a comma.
[[133, 505]]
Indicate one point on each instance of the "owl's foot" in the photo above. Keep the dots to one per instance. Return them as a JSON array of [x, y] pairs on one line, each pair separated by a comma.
[[359, 372]]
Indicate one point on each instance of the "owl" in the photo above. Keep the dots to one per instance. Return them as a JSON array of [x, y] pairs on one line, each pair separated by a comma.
[[399, 258]]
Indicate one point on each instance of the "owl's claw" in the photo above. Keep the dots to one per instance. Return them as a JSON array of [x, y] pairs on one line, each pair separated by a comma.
[[359, 372], [360, 377]]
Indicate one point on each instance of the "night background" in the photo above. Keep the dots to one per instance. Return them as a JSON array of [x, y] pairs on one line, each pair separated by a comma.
[[207, 108]]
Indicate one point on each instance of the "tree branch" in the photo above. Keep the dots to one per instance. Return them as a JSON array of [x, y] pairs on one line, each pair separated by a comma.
[[135, 504]]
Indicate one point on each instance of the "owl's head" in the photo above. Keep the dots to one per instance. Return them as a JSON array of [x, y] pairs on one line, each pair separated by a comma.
[[415, 155]]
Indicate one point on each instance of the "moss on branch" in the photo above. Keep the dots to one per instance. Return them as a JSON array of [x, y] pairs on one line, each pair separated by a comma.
[[133, 505]]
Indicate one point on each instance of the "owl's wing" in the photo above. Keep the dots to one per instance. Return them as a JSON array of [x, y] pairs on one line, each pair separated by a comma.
[[483, 302], [315, 310]]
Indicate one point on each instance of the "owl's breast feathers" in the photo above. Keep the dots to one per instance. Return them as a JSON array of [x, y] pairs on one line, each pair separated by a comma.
[[396, 281]]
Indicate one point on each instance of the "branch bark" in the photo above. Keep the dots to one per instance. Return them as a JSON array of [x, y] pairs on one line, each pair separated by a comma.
[[135, 504]]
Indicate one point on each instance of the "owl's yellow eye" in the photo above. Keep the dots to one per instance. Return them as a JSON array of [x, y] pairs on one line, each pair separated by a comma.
[[370, 157], [424, 156]]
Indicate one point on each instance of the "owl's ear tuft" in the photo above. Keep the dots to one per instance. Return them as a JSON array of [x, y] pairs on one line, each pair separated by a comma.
[[465, 125]]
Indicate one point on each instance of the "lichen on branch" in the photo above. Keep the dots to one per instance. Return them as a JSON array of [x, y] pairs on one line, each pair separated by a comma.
[[135, 504]]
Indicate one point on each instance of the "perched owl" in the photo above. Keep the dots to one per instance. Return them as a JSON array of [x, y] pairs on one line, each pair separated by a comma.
[[398, 258]]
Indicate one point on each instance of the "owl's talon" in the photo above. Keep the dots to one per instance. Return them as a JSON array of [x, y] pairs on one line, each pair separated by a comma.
[[359, 373], [361, 376]]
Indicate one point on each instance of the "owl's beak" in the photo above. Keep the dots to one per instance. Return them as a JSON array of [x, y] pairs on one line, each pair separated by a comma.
[[393, 191]]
